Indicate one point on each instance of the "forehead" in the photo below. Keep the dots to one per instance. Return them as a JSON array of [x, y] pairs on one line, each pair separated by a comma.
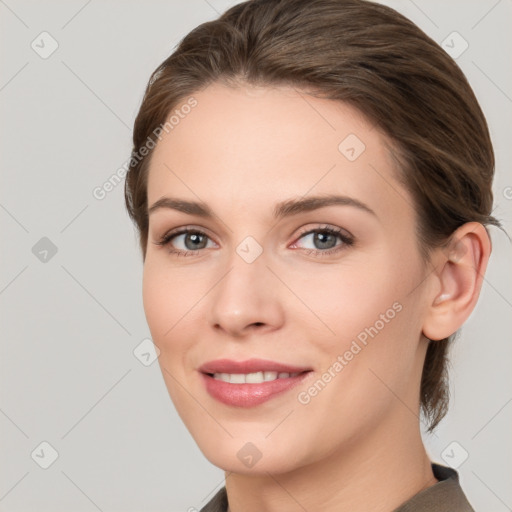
[[263, 144]]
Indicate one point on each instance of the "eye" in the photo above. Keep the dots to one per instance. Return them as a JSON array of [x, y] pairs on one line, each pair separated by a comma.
[[192, 239], [324, 240]]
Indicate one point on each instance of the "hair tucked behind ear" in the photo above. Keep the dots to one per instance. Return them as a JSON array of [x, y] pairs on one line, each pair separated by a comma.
[[373, 58]]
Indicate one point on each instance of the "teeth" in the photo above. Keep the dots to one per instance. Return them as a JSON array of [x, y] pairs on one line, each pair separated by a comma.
[[237, 378], [268, 376], [252, 378]]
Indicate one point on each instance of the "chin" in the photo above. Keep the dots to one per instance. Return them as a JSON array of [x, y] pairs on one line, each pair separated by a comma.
[[258, 457], [274, 465]]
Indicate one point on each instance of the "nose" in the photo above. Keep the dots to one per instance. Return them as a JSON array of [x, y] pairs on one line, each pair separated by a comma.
[[246, 299]]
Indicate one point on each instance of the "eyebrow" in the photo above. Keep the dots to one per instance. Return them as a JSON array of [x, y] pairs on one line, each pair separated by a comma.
[[283, 209]]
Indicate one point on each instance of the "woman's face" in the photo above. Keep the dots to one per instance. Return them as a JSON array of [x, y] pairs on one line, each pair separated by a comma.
[[261, 279]]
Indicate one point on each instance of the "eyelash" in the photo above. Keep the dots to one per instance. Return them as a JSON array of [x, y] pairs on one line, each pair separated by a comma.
[[347, 241]]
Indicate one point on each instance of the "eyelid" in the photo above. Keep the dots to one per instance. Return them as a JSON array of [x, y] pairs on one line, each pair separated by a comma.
[[303, 230], [187, 228], [327, 227]]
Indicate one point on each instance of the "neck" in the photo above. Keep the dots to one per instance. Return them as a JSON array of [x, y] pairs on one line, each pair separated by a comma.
[[378, 473]]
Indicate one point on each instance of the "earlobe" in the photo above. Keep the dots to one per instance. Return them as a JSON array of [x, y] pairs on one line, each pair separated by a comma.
[[459, 275]]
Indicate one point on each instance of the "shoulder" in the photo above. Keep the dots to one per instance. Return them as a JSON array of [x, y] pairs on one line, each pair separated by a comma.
[[219, 503], [444, 496]]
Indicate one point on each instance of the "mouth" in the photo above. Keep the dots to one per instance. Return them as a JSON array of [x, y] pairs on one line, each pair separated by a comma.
[[249, 383]]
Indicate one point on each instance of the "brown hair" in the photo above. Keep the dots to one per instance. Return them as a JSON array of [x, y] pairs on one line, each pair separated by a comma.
[[376, 60]]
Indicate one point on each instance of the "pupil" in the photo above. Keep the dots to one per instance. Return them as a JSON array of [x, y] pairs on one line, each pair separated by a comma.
[[195, 238]]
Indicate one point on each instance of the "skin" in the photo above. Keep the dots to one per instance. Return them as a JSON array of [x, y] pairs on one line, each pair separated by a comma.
[[357, 444]]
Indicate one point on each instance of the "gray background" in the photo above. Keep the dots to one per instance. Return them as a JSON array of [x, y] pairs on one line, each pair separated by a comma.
[[71, 320]]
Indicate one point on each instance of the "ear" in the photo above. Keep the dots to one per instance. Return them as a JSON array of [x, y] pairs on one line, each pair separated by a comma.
[[460, 269]]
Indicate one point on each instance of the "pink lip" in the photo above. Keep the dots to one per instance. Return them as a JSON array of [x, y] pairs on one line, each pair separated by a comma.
[[252, 394], [248, 366], [249, 395]]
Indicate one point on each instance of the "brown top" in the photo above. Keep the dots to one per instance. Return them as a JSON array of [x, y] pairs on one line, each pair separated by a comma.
[[444, 496]]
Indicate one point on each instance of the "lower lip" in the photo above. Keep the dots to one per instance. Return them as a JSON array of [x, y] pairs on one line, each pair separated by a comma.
[[249, 395]]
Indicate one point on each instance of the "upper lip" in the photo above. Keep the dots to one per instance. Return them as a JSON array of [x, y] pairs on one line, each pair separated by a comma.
[[249, 366]]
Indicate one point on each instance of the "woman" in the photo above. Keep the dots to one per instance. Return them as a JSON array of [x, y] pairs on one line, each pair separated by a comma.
[[311, 181]]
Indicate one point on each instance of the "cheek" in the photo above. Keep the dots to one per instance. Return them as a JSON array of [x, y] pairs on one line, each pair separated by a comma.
[[155, 297], [164, 306], [366, 314], [173, 300], [168, 306], [168, 298], [345, 300]]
